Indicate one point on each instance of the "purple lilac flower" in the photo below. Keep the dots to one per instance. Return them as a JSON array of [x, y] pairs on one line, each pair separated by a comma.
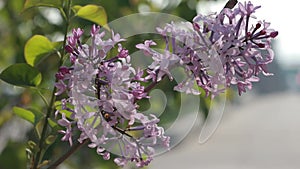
[[217, 50], [103, 93], [244, 50], [190, 52], [68, 133]]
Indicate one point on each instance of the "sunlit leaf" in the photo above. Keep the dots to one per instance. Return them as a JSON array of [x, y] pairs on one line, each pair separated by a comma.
[[24, 114], [37, 48], [21, 74], [37, 3], [76, 8], [92, 13]]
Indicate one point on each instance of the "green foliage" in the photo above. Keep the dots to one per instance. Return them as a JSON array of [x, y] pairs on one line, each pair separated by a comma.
[[30, 115], [92, 13], [50, 139], [21, 74], [25, 114], [39, 128], [52, 123], [37, 48]]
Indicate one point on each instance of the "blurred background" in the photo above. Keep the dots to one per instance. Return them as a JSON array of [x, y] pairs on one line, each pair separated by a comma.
[[259, 129]]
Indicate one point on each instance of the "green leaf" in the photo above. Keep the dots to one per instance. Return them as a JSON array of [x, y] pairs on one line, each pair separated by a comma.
[[38, 114], [58, 106], [92, 13], [24, 114], [37, 48], [50, 139], [76, 8], [46, 3], [39, 127], [52, 123], [31, 144], [21, 74]]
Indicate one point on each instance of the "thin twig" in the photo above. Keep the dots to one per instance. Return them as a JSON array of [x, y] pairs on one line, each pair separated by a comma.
[[67, 154], [43, 97]]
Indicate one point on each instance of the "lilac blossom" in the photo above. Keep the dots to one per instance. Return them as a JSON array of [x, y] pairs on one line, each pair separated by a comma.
[[68, 133], [103, 93], [217, 50]]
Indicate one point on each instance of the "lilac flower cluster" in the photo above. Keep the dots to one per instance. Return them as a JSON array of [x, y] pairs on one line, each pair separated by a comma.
[[104, 92], [215, 52], [244, 50]]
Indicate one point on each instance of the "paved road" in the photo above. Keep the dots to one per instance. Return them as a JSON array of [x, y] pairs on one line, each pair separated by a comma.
[[260, 133]]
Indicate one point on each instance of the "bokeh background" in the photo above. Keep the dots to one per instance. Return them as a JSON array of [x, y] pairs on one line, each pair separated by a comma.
[[259, 129]]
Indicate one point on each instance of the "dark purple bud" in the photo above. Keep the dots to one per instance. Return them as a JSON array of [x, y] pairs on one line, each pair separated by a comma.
[[196, 26], [59, 76], [69, 49], [262, 32], [261, 45], [273, 34], [257, 26], [64, 70]]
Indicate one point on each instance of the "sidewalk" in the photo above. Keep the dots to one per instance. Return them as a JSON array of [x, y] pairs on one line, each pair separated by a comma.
[[263, 132]]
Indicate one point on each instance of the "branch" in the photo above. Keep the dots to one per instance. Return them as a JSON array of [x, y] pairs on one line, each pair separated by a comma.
[[67, 154], [230, 4]]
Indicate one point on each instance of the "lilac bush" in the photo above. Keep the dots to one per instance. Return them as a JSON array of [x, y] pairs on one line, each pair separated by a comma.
[[102, 92]]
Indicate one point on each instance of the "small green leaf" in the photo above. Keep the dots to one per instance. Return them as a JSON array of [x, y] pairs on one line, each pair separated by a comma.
[[58, 106], [31, 148], [39, 127], [46, 3], [24, 114], [92, 13], [31, 144], [38, 114], [57, 103], [52, 123], [44, 163], [37, 48], [21, 74], [50, 139]]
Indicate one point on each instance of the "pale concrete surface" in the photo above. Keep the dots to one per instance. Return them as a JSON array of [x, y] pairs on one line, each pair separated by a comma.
[[262, 132]]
